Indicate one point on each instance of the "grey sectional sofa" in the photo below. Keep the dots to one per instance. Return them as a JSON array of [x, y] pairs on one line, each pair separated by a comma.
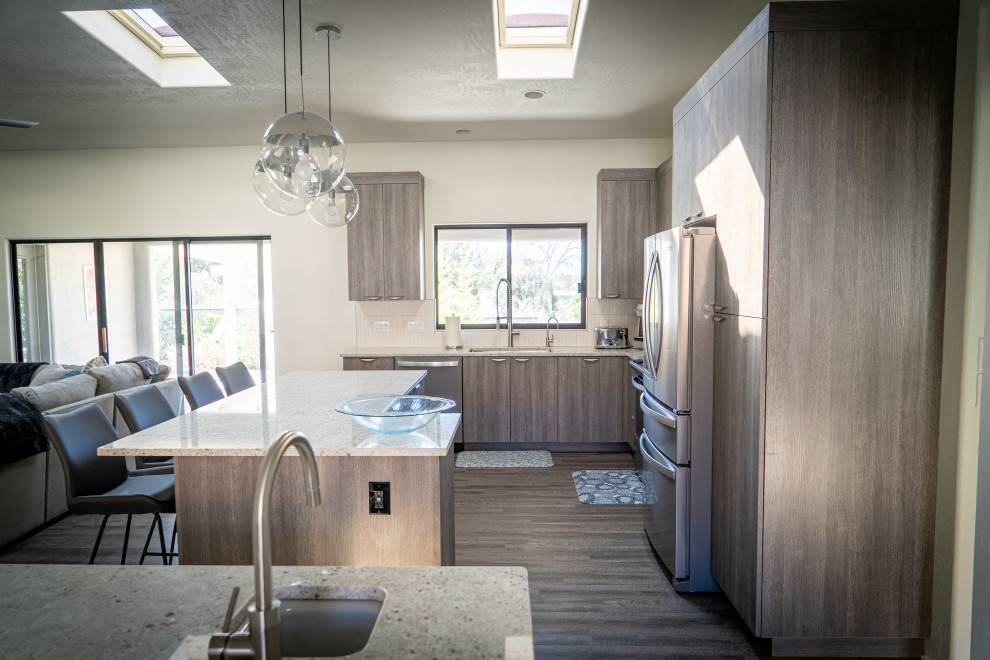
[[32, 490]]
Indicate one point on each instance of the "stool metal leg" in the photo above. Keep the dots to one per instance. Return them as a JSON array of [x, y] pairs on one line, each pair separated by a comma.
[[99, 536], [127, 536]]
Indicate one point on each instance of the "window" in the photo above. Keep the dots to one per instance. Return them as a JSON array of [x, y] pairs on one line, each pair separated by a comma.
[[546, 265], [199, 302], [537, 39]]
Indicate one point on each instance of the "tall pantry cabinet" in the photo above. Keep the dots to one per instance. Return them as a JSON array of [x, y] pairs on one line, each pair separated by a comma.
[[820, 140]]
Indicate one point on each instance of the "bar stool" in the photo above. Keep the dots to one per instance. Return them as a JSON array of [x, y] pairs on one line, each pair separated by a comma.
[[200, 389], [142, 409], [235, 378]]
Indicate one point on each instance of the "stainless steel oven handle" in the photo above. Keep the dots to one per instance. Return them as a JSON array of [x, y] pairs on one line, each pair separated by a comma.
[[659, 463], [637, 382], [424, 365], [666, 418]]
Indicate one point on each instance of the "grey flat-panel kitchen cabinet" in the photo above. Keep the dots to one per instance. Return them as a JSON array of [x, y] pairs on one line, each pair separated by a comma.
[[385, 241], [627, 214], [821, 141], [533, 399], [589, 399], [369, 364], [486, 388]]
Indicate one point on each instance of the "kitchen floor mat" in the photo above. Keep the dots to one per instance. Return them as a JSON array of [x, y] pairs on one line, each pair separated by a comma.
[[609, 487], [504, 459]]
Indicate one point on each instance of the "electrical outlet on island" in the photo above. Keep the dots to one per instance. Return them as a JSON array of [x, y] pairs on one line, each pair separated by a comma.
[[381, 326]]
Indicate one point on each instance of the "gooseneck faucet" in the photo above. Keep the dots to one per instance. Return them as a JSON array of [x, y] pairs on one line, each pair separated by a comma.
[[264, 619], [549, 336], [508, 309]]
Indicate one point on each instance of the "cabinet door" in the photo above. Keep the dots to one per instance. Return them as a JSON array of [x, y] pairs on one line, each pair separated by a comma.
[[589, 399], [663, 221], [369, 364], [365, 238], [403, 244], [720, 168], [533, 399], [626, 216], [737, 493], [486, 399]]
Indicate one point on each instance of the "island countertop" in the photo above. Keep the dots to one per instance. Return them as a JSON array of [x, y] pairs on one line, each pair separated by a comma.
[[111, 612], [249, 422]]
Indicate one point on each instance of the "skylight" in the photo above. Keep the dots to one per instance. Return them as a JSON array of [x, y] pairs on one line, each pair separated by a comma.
[[150, 44], [537, 39]]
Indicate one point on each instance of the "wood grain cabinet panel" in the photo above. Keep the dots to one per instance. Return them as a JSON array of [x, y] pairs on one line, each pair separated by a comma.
[[665, 182], [589, 399], [627, 214], [533, 399], [385, 241], [827, 355], [369, 364], [486, 388]]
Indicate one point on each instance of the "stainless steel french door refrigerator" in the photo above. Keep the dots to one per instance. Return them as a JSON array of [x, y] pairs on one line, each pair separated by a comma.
[[676, 444]]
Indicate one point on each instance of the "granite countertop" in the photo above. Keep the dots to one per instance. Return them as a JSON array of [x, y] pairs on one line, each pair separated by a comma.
[[556, 351], [249, 422], [109, 612]]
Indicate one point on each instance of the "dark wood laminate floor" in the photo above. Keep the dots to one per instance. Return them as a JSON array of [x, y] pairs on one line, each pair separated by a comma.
[[596, 588]]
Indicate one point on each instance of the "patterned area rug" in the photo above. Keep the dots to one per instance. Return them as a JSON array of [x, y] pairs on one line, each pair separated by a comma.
[[609, 486], [504, 459]]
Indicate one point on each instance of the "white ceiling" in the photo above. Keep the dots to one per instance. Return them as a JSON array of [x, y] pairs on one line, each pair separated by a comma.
[[404, 71]]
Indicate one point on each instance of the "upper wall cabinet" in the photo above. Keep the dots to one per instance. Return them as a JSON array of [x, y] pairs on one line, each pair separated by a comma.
[[385, 240], [628, 212]]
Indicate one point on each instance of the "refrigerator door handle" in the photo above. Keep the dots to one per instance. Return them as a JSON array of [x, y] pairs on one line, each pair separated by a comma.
[[666, 418], [658, 462], [652, 355], [637, 382]]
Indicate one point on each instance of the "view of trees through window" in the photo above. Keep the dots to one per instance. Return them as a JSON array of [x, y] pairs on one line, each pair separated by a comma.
[[545, 263]]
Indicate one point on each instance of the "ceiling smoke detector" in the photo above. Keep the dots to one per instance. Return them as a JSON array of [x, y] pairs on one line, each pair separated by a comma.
[[534, 94]]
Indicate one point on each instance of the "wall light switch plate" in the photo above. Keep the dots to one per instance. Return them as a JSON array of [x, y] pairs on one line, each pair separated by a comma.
[[381, 326], [414, 326], [379, 498]]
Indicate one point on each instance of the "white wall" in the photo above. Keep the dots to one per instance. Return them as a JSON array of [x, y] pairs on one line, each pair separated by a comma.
[[145, 193]]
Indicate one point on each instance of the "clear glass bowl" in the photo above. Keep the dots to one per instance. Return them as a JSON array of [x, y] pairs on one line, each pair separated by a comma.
[[395, 414]]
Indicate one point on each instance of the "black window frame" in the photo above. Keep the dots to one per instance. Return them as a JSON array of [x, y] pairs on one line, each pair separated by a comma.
[[99, 267], [583, 284]]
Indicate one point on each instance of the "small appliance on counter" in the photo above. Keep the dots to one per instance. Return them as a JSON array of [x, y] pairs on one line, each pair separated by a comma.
[[611, 337], [639, 330]]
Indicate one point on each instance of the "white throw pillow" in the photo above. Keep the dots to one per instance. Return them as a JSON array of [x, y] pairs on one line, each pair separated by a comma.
[[117, 377], [59, 393], [48, 373]]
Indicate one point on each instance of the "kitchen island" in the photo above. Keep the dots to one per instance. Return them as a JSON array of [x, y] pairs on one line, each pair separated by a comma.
[[218, 449], [124, 612]]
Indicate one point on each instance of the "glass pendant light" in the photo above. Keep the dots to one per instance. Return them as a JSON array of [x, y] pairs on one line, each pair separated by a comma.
[[338, 201], [273, 199], [302, 153]]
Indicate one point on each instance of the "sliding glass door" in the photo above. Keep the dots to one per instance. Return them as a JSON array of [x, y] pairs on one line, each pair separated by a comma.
[[193, 304]]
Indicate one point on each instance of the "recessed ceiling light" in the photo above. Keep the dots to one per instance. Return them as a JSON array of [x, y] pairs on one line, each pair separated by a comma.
[[534, 94], [463, 131]]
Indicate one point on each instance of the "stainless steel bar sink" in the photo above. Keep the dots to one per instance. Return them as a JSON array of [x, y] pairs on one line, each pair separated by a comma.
[[506, 349]]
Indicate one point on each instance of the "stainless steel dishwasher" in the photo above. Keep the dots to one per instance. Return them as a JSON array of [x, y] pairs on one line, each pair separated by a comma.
[[443, 378]]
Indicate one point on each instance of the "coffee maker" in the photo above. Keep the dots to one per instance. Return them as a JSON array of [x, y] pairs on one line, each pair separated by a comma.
[[639, 325]]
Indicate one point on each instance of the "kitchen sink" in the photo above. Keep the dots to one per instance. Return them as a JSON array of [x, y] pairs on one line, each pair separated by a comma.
[[506, 349], [323, 622]]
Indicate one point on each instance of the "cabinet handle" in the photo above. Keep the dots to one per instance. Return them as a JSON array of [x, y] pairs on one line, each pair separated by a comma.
[[522, 359], [612, 295], [395, 297], [372, 297], [498, 359], [368, 359], [690, 218], [590, 359], [718, 308], [718, 318]]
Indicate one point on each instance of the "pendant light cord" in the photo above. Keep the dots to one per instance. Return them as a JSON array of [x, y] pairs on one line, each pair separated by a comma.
[[302, 89], [329, 90], [285, 68]]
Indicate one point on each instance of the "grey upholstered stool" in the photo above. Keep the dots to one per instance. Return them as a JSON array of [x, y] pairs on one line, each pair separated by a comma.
[[102, 485], [235, 378], [142, 409], [200, 389]]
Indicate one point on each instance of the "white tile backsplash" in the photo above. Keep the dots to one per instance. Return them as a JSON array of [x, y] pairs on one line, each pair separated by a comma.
[[399, 313]]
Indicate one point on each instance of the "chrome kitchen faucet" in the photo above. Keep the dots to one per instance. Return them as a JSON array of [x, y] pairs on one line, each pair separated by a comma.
[[508, 309]]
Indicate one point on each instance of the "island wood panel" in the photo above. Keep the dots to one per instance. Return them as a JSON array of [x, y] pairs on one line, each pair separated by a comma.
[[214, 499], [533, 399], [365, 238], [625, 217], [486, 387], [737, 480], [589, 399], [721, 147], [369, 364], [854, 337], [403, 245]]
